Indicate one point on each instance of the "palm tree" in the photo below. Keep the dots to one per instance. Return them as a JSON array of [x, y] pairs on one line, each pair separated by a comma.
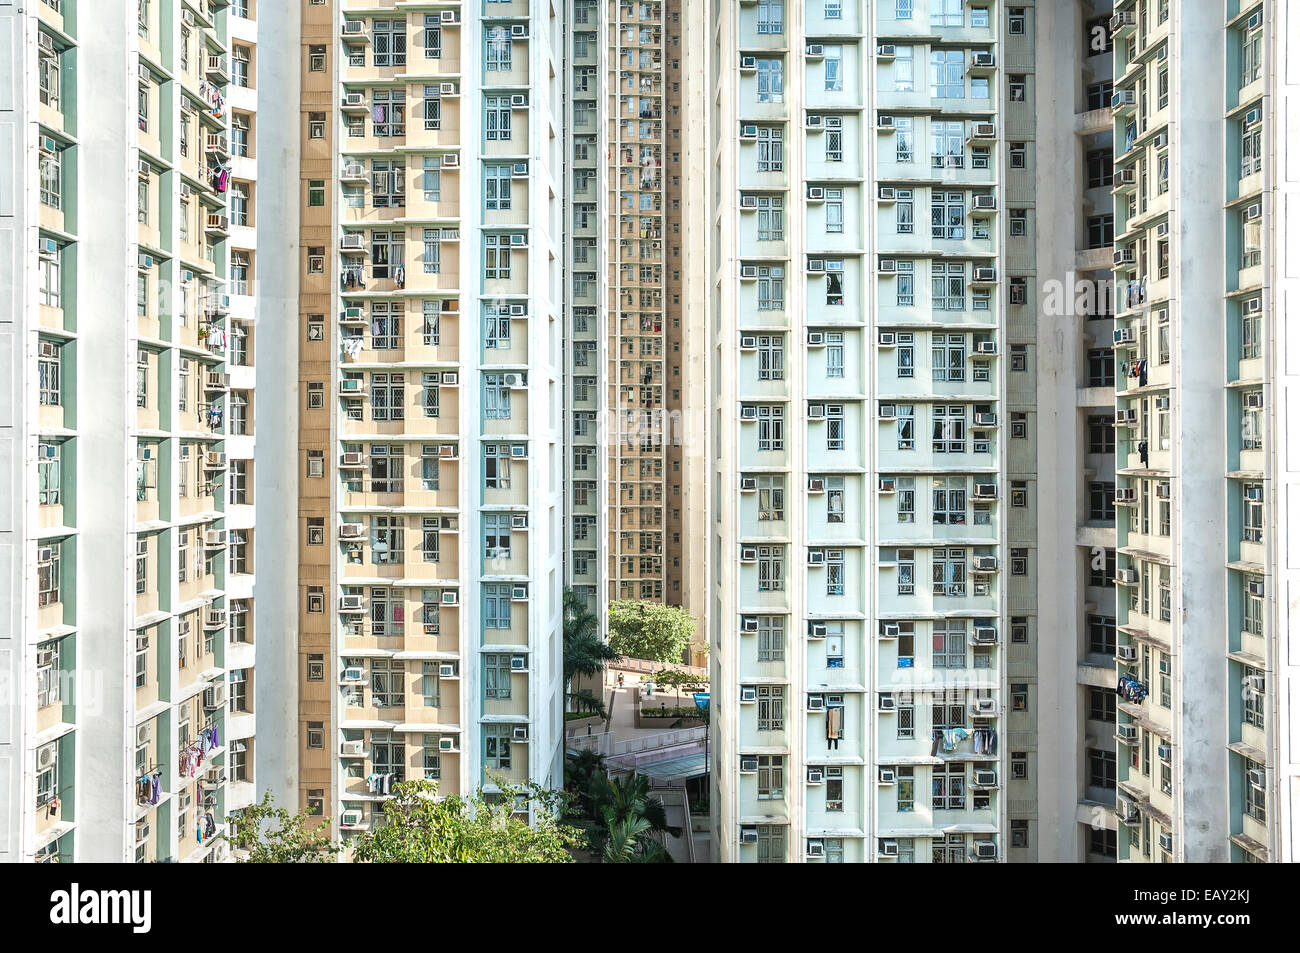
[[585, 652]]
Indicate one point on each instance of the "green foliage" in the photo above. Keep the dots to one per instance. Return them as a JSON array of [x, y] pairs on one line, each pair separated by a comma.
[[585, 652], [680, 680], [587, 703], [422, 828], [650, 630], [682, 711], [621, 819], [299, 838]]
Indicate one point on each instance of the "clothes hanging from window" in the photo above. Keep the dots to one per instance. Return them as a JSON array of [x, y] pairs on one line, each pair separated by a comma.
[[834, 725], [1131, 689], [1143, 453]]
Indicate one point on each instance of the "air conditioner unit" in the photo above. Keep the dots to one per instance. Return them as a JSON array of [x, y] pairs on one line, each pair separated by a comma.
[[350, 603], [1162, 491], [353, 818], [49, 349], [748, 130], [1124, 336], [816, 557], [748, 554], [984, 706], [214, 696], [1127, 176], [984, 635], [1256, 777], [1126, 653], [816, 630], [885, 51], [141, 831], [1252, 305], [983, 130], [214, 538], [450, 16], [1254, 493], [519, 733], [884, 122], [984, 203], [1124, 256], [886, 193], [816, 702], [749, 835], [447, 89], [214, 618], [519, 663], [352, 459], [352, 531], [816, 484], [748, 342], [451, 161], [1256, 20], [888, 266], [816, 193], [49, 248], [447, 670], [887, 847], [214, 460], [748, 412], [354, 99], [984, 564], [354, 27], [814, 121], [45, 42], [985, 778], [446, 744], [748, 484], [816, 776], [448, 451], [748, 694], [985, 850], [981, 58], [985, 274], [1255, 587], [1123, 97], [814, 51], [519, 451], [986, 347], [816, 411], [1254, 211], [1253, 118], [748, 764], [748, 64], [887, 412], [985, 419], [886, 776], [451, 597], [143, 734], [145, 74], [886, 702], [748, 272], [519, 31], [816, 338], [1161, 140], [748, 201], [1167, 842], [749, 623], [513, 381], [1126, 810], [815, 847], [519, 594], [985, 491], [144, 262], [1126, 577], [517, 171], [354, 673], [1163, 752]]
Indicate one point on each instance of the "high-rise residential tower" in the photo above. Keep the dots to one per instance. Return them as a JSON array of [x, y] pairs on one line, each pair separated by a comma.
[[128, 328], [429, 417]]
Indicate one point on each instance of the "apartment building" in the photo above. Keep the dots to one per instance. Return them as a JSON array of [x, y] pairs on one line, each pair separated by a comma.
[[624, 369], [128, 438], [430, 400], [875, 541], [1073, 777], [1200, 127]]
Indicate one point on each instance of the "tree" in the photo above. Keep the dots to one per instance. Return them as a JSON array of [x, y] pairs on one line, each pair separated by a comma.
[[650, 630], [422, 828], [584, 651], [299, 838], [621, 819], [680, 680]]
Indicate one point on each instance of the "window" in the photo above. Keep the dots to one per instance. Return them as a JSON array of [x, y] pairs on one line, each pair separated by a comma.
[[833, 67], [496, 186], [1016, 21], [771, 148], [496, 747], [771, 357], [432, 36], [50, 80], [239, 62], [904, 139], [497, 110], [388, 42], [497, 58], [948, 787], [50, 378], [771, 498], [834, 207], [496, 257], [948, 644], [316, 58], [771, 218], [948, 357], [1252, 54], [771, 288], [1019, 696], [948, 285], [771, 81], [947, 74], [771, 569], [49, 473], [771, 16], [771, 707], [771, 639], [947, 144], [388, 113], [771, 427], [1101, 768], [1020, 765], [771, 777], [948, 571], [387, 396]]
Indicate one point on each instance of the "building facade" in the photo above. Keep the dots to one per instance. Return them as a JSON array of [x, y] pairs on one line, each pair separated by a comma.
[[130, 338], [430, 394]]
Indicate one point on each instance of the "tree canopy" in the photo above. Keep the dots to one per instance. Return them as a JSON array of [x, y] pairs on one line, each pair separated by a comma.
[[650, 630]]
